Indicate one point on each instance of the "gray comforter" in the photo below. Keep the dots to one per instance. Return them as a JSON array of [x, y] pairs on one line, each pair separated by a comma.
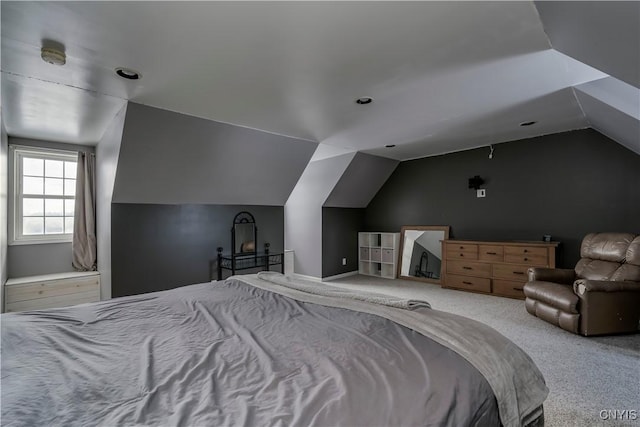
[[229, 353]]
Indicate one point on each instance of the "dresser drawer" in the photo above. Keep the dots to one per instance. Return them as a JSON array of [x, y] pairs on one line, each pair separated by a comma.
[[526, 255], [510, 272], [462, 255], [491, 253], [462, 251], [469, 268], [508, 288], [462, 247], [526, 259], [376, 254], [364, 254], [479, 284]]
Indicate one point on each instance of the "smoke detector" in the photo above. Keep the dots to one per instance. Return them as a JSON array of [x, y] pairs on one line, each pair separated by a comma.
[[53, 56]]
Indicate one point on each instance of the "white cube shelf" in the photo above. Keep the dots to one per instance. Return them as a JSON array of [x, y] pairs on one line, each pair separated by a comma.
[[378, 254]]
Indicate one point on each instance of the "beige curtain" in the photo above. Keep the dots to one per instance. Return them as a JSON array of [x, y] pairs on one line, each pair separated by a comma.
[[84, 224]]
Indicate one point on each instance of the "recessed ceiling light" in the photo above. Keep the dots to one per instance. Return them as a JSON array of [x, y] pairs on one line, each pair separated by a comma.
[[390, 145], [364, 100], [528, 123], [128, 73], [53, 56]]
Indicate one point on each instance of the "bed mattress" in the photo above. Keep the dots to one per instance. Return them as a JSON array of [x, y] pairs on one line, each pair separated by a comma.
[[228, 353]]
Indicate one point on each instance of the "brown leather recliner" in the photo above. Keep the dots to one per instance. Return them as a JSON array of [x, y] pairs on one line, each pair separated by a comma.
[[600, 296]]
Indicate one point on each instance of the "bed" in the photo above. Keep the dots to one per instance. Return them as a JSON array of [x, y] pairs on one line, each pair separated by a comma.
[[262, 350]]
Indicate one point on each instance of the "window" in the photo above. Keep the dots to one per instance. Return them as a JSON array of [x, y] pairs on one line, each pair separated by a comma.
[[44, 189]]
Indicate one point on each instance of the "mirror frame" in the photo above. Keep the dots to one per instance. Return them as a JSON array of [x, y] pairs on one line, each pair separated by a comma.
[[244, 217], [405, 228]]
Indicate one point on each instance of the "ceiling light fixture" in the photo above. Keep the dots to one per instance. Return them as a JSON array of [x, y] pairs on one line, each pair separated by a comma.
[[128, 73], [53, 56], [364, 100], [528, 123], [390, 145]]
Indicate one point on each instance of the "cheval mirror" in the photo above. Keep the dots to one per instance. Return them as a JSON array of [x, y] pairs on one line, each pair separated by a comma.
[[244, 234], [421, 252]]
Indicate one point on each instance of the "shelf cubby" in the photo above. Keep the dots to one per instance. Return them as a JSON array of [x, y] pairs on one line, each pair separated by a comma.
[[378, 254]]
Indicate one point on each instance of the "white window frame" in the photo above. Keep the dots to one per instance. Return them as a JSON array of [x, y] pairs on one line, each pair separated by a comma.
[[16, 153]]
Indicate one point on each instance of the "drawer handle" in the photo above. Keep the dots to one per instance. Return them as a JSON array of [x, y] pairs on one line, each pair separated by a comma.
[[525, 251], [518, 272], [467, 268], [518, 289], [467, 283], [491, 253], [461, 247], [526, 259], [461, 254]]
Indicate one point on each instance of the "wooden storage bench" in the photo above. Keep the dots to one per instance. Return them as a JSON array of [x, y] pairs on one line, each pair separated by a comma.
[[51, 290]]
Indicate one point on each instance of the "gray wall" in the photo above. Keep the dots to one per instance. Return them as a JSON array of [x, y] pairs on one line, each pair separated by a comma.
[[107, 153], [319, 236], [44, 258], [172, 158], [340, 227], [4, 151], [566, 185], [303, 212], [361, 181], [343, 211], [33, 260], [179, 182], [603, 34], [158, 247]]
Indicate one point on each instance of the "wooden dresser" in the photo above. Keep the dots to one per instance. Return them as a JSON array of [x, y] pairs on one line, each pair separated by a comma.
[[498, 268]]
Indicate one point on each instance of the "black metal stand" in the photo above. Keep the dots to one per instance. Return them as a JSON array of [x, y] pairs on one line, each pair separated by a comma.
[[236, 262]]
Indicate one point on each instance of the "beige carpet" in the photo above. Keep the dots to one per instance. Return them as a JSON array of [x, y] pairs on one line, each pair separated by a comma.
[[585, 375]]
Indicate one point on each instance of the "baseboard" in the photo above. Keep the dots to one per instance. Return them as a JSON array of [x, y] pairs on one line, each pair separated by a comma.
[[305, 277], [340, 276], [325, 279]]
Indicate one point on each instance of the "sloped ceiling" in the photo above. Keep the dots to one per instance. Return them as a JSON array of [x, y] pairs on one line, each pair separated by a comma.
[[360, 181], [444, 76], [611, 121], [172, 158], [605, 35]]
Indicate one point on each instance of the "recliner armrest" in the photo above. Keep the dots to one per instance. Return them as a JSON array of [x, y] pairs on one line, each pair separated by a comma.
[[581, 286], [554, 275]]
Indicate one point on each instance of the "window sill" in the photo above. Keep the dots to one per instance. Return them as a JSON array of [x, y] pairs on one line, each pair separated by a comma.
[[66, 239]]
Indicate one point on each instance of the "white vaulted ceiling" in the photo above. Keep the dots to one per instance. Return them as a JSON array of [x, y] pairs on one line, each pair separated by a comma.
[[444, 76]]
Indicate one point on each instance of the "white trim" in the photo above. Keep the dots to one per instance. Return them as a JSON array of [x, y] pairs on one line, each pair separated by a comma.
[[340, 276], [37, 150], [325, 279], [16, 152], [305, 277], [39, 240]]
